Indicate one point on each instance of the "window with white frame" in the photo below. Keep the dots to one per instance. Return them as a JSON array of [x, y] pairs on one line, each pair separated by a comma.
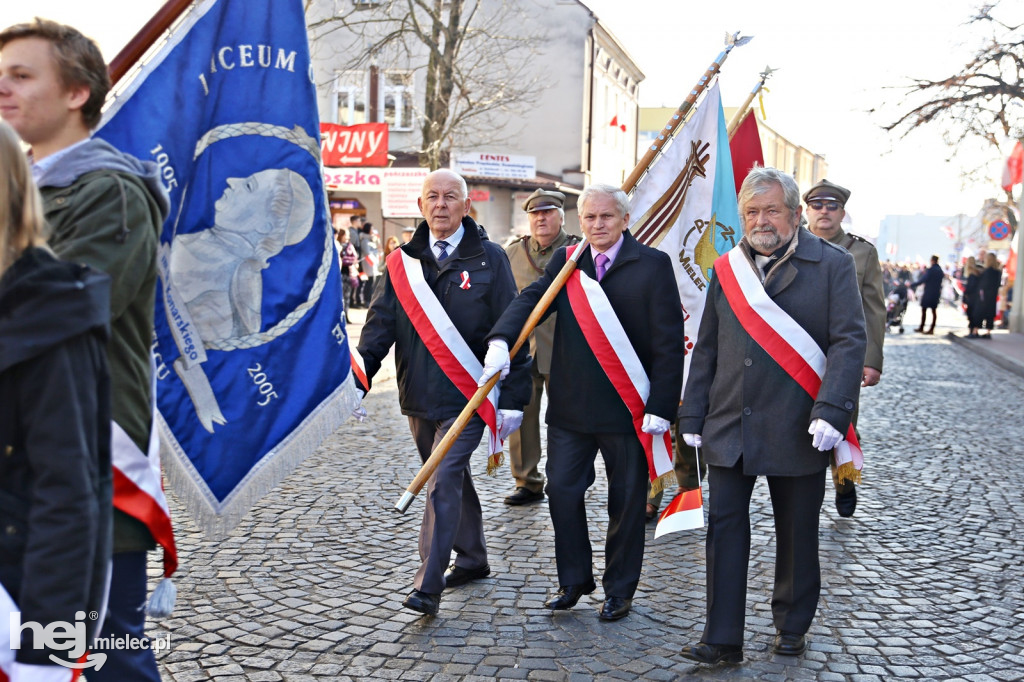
[[396, 98], [350, 98]]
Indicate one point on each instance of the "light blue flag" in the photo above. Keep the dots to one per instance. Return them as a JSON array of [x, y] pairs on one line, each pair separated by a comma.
[[686, 206], [250, 344]]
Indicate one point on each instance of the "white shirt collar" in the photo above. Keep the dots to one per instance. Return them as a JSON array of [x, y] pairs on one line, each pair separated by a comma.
[[452, 240]]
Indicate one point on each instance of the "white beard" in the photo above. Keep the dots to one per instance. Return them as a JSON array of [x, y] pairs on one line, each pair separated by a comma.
[[766, 241]]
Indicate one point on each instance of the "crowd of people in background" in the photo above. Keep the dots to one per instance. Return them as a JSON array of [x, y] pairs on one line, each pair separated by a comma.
[[980, 286]]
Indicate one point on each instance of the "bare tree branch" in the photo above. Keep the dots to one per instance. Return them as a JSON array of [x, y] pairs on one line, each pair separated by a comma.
[[984, 101], [472, 63]]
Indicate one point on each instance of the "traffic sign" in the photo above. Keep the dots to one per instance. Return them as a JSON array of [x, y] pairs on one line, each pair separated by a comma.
[[999, 229]]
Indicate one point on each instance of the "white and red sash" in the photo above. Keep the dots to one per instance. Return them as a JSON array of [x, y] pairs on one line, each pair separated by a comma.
[[138, 489], [443, 341], [614, 352], [784, 340], [358, 370]]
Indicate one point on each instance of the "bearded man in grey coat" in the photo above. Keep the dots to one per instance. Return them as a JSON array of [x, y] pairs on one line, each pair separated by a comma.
[[780, 298]]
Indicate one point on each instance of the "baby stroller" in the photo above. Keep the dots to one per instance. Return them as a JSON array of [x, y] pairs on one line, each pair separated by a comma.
[[896, 307]]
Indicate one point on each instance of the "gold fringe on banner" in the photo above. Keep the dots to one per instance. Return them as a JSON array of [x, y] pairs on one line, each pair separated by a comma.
[[847, 472], [659, 484], [494, 462]]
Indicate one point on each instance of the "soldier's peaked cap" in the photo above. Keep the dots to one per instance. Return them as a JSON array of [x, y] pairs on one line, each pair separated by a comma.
[[542, 200], [826, 190]]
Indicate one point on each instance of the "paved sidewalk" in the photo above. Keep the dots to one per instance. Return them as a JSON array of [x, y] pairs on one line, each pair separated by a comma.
[[924, 582]]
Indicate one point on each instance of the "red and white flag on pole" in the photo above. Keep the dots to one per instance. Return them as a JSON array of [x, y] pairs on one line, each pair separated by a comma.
[[745, 146], [1013, 170]]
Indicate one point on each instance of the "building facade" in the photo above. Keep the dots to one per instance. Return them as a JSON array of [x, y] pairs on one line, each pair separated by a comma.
[[577, 125]]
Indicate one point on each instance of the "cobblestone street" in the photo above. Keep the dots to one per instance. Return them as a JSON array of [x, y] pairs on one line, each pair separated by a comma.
[[924, 582]]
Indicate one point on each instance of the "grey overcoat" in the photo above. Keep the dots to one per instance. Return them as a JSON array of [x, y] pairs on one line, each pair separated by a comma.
[[741, 402]]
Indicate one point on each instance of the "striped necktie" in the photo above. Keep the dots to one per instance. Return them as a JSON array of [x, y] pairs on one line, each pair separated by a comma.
[[442, 249]]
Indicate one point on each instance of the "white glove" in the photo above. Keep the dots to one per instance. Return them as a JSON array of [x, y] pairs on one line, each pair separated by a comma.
[[508, 421], [825, 437], [359, 412], [692, 439], [495, 361], [655, 425]]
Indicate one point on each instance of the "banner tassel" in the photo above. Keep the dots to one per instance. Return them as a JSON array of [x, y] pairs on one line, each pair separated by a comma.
[[161, 603]]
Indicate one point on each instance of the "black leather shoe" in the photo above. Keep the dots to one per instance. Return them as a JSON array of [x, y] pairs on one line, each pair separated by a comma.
[[615, 608], [524, 496], [457, 575], [789, 644], [846, 502], [423, 602], [712, 654], [568, 595]]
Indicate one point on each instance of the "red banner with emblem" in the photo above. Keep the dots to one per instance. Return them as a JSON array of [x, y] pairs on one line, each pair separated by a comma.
[[365, 144]]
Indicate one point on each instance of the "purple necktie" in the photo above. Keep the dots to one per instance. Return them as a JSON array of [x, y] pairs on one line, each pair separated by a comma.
[[601, 261]]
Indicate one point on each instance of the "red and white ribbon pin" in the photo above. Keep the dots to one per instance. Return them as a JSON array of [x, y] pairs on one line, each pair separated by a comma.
[[465, 280]]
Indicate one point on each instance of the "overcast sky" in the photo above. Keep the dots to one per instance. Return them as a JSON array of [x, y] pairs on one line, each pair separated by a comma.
[[834, 59]]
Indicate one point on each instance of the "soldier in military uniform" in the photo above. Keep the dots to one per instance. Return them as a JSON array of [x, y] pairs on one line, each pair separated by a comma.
[[826, 207], [529, 256]]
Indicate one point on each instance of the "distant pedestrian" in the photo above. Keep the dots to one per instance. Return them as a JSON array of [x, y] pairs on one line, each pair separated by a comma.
[[390, 245], [988, 286], [348, 260], [972, 295], [369, 259], [932, 279]]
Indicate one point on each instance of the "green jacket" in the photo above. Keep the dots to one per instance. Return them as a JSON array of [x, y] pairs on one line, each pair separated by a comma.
[[869, 279], [105, 209], [528, 261]]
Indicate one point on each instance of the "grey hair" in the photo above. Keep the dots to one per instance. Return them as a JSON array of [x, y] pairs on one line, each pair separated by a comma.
[[760, 180], [616, 193]]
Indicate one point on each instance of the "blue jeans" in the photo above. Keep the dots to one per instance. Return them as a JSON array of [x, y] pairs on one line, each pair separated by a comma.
[[126, 619]]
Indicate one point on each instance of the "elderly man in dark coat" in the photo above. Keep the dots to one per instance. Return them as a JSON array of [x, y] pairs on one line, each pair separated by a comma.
[[586, 412], [781, 294], [932, 280], [440, 295]]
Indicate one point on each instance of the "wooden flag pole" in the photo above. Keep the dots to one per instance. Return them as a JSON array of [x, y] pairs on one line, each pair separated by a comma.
[[439, 452], [741, 112], [144, 39], [678, 117]]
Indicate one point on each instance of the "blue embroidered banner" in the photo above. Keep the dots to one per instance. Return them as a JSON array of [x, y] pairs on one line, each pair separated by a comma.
[[250, 344]]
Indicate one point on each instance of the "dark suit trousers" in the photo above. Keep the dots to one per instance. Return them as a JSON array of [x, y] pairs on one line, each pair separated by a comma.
[[570, 472], [796, 505], [524, 442], [452, 518]]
